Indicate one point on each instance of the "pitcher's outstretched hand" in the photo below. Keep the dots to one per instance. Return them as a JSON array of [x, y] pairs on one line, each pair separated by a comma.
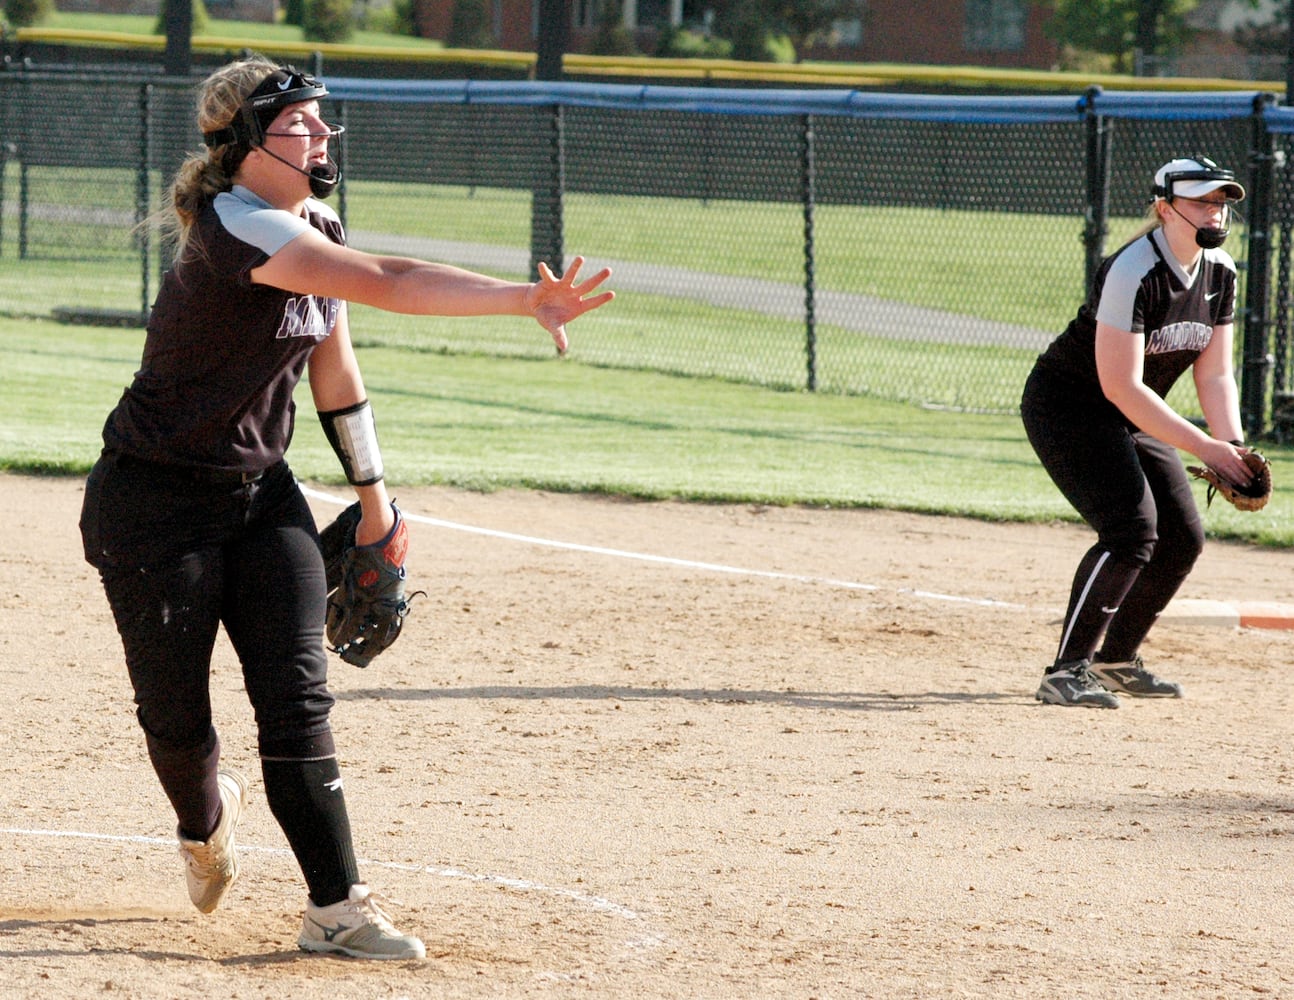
[[554, 301]]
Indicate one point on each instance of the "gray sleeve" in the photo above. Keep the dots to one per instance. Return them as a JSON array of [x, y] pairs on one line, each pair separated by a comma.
[[268, 229], [1118, 305]]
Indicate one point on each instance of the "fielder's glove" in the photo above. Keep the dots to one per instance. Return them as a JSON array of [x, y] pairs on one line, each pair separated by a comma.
[[1254, 496], [366, 600]]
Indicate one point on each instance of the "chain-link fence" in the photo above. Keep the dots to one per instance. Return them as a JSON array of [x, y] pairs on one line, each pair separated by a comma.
[[919, 248], [1278, 346]]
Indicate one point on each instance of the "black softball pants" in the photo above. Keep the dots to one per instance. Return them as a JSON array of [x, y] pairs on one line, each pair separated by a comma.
[[178, 557], [1133, 490]]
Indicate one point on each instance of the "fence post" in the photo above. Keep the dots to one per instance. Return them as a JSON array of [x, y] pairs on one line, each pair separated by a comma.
[[1096, 211], [7, 149], [143, 198], [1281, 215], [1257, 358], [546, 204], [24, 206], [808, 176]]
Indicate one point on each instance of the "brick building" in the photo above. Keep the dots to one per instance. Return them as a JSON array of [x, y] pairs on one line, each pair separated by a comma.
[[998, 33], [239, 10]]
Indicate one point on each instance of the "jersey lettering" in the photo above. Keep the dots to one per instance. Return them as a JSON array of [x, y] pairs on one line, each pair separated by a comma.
[[1179, 337], [307, 316]]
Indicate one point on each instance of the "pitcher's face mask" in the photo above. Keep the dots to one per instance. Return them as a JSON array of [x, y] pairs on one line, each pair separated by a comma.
[[286, 85]]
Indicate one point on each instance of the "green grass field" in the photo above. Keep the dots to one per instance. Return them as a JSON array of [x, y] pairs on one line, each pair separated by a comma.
[[561, 425], [484, 404]]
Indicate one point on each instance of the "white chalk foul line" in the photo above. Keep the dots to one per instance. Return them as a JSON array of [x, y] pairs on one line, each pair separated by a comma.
[[598, 904], [671, 561]]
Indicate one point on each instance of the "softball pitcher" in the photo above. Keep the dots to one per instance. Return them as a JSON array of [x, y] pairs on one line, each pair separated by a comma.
[[192, 516]]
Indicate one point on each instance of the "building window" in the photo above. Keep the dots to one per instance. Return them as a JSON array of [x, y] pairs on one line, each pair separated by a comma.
[[995, 25]]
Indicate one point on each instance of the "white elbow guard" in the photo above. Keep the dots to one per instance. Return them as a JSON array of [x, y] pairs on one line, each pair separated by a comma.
[[353, 436]]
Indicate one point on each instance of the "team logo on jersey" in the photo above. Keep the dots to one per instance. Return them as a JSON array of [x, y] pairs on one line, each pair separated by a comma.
[[1179, 337], [307, 316]]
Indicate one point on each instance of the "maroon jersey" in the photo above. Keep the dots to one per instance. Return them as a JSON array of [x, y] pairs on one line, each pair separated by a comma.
[[1142, 288], [222, 355]]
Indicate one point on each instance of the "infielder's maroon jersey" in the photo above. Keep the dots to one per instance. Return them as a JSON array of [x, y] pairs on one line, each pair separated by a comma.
[[223, 356], [1142, 288]]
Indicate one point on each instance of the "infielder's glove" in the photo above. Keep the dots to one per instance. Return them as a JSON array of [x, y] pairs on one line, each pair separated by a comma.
[[366, 600], [1254, 496]]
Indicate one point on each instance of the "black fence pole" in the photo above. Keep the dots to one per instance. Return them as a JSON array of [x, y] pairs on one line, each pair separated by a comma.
[[546, 225], [1289, 54], [143, 194], [1257, 357], [554, 30], [24, 207], [1282, 417], [808, 174], [7, 149], [1096, 213], [178, 57]]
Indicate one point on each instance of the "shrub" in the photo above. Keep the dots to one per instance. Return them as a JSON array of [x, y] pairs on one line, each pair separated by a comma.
[[27, 13], [612, 39], [395, 18], [328, 20], [469, 26], [752, 41], [779, 49], [680, 43]]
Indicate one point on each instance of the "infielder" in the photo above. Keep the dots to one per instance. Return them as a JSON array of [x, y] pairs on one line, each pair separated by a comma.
[[1094, 411], [192, 516]]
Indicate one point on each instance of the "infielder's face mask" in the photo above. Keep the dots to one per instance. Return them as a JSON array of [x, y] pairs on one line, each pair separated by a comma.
[[286, 85], [1195, 178]]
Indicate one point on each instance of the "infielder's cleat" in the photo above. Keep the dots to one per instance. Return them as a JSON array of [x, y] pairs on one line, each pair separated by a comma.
[[1132, 677], [1073, 684], [211, 867], [358, 927]]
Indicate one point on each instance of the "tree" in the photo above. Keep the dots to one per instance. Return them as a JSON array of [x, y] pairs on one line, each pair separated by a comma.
[[28, 13], [809, 21], [328, 20], [1121, 28], [469, 26], [754, 25], [1269, 39], [1101, 26]]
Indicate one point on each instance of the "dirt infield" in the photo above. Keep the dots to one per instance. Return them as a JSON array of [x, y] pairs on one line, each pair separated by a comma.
[[796, 754]]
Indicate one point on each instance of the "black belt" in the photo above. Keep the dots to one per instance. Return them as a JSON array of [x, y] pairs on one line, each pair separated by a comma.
[[224, 477], [210, 477]]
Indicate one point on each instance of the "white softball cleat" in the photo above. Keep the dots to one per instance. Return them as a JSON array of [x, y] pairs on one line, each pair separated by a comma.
[[211, 867]]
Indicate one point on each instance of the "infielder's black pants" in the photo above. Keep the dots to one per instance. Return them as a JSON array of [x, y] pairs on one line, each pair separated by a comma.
[[1135, 493]]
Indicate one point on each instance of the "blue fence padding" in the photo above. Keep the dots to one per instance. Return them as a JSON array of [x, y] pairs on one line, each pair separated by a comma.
[[1189, 106], [720, 100], [1155, 105], [1279, 120]]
